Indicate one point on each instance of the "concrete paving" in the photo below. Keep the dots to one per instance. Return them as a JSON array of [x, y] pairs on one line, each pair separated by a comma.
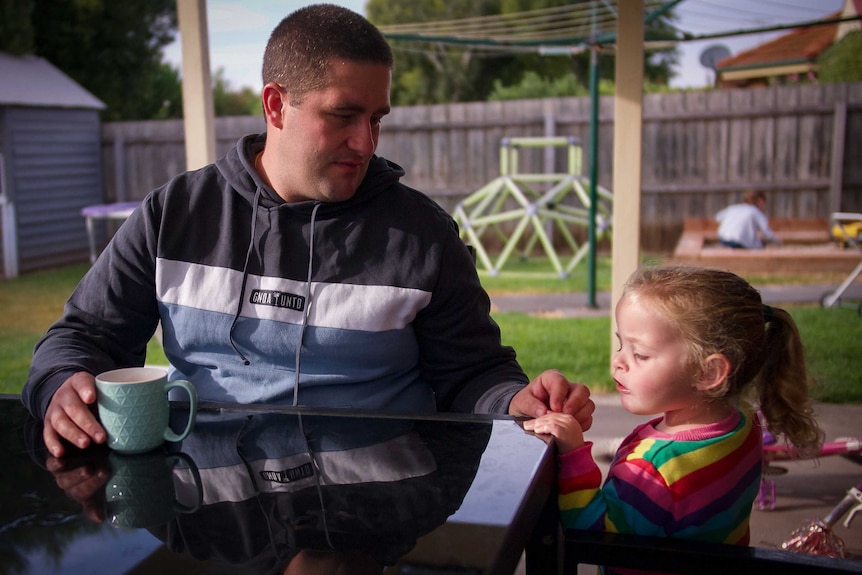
[[806, 490], [809, 489]]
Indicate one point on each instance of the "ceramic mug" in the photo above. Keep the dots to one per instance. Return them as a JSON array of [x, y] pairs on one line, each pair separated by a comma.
[[134, 409], [140, 492]]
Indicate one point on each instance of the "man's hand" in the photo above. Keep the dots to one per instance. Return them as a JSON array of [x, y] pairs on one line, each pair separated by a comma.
[[552, 392], [70, 415], [83, 481]]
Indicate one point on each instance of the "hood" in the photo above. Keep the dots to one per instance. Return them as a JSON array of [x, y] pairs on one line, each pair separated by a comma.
[[237, 167]]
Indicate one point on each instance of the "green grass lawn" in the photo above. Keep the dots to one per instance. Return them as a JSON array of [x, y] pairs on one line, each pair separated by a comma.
[[579, 347], [30, 304]]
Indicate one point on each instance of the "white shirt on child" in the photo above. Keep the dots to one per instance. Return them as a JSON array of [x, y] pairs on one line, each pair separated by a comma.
[[741, 223]]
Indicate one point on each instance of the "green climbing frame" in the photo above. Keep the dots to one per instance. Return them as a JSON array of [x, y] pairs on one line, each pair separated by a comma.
[[562, 204]]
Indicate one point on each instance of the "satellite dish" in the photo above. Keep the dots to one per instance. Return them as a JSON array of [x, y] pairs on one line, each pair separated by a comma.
[[712, 55]]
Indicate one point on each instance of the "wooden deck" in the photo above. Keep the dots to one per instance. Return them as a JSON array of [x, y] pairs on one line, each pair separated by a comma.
[[807, 248]]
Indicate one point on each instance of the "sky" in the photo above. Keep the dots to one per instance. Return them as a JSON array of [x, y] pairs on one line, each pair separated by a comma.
[[238, 31]]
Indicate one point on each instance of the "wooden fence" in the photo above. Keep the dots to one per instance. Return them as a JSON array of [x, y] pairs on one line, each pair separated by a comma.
[[701, 150]]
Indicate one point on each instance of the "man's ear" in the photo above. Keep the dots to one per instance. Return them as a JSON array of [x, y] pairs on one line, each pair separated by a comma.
[[715, 370], [274, 100]]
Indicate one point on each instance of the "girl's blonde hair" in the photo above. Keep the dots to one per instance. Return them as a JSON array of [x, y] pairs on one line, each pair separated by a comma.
[[716, 311]]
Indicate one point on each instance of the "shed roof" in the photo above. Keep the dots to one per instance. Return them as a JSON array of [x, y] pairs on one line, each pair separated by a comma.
[[33, 81]]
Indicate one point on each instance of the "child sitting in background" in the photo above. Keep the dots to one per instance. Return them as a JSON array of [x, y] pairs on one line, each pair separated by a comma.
[[745, 225], [694, 342]]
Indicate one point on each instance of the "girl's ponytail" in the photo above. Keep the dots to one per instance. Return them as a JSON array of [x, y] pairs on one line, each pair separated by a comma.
[[783, 382]]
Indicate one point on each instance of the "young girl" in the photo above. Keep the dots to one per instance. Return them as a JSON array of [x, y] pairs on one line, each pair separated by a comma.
[[694, 342]]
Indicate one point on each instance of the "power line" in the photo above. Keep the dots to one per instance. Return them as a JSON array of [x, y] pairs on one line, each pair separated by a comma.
[[704, 16], [582, 20], [571, 26]]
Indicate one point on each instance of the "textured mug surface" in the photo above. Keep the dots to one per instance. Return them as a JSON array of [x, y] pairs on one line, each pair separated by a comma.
[[134, 409], [140, 492]]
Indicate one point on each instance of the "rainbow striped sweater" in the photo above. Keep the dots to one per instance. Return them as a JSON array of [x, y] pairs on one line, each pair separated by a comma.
[[696, 484]]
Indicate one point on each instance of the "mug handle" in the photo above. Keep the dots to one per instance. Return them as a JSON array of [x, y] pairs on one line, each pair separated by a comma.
[[193, 407], [196, 476]]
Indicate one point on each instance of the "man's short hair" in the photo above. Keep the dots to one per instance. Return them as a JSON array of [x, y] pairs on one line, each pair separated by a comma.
[[304, 43]]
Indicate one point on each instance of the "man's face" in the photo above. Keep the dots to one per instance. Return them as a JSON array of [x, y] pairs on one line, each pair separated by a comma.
[[330, 135]]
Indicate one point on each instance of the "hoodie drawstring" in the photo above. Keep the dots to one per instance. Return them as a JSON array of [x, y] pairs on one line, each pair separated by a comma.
[[245, 276], [305, 316], [318, 484], [307, 304]]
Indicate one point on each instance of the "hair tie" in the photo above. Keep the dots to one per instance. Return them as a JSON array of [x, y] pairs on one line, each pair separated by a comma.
[[768, 314]]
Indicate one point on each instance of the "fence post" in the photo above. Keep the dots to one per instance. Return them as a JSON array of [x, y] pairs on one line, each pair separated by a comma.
[[839, 123], [120, 194]]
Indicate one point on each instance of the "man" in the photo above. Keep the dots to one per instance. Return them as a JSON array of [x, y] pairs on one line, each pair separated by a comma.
[[745, 225], [296, 269]]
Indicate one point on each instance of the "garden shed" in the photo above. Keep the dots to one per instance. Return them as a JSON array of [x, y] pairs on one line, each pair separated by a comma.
[[50, 164]]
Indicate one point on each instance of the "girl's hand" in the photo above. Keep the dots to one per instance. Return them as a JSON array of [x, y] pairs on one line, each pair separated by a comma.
[[551, 391], [563, 427]]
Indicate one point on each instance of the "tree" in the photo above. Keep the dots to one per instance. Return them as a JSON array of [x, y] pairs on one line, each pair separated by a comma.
[[113, 49], [427, 73], [226, 102], [16, 33], [166, 87], [842, 62], [534, 86]]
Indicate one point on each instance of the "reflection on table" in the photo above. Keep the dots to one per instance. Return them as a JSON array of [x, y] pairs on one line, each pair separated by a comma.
[[257, 491]]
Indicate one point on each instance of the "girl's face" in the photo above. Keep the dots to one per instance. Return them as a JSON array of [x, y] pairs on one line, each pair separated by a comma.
[[650, 367]]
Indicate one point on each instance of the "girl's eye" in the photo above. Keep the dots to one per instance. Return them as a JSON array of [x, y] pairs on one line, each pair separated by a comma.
[[640, 357]]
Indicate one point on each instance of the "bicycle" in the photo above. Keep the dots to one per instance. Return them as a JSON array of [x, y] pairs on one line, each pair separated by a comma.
[[776, 451]]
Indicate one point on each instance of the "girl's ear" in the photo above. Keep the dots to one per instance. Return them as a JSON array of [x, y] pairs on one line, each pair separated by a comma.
[[714, 373]]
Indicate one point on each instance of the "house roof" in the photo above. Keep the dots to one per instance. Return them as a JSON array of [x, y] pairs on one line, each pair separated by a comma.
[[799, 45], [32, 81]]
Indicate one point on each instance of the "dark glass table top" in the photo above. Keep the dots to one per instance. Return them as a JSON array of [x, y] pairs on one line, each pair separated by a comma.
[[260, 490]]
